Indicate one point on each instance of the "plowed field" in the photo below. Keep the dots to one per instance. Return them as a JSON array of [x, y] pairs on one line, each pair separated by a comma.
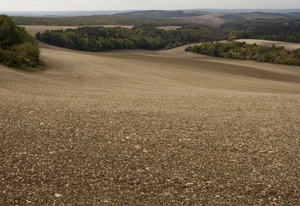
[[149, 128]]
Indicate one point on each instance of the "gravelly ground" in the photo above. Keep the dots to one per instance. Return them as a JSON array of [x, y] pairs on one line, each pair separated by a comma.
[[130, 128]]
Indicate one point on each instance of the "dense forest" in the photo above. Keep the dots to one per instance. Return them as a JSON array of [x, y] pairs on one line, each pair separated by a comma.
[[241, 50], [259, 15], [17, 48], [256, 25], [161, 14], [287, 30], [96, 20], [144, 37], [136, 18]]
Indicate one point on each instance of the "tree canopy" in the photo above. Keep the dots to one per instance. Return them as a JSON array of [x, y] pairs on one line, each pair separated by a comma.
[[144, 37], [17, 48], [241, 50], [287, 30]]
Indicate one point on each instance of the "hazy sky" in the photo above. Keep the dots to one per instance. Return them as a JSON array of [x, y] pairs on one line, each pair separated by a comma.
[[63, 5]]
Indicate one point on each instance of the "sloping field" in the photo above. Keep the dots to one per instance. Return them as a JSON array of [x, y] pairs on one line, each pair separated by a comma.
[[287, 45], [149, 128], [210, 19], [35, 29]]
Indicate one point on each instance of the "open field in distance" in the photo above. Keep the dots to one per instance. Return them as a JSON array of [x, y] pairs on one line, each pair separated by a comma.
[[149, 128], [287, 45], [35, 29], [209, 19]]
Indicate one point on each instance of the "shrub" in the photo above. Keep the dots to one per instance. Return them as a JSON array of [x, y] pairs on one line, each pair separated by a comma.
[[243, 51], [17, 48]]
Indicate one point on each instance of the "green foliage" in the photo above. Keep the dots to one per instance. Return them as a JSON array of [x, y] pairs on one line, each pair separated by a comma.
[[256, 15], [145, 37], [241, 50], [287, 30], [96, 20], [136, 18], [17, 48], [9, 33], [161, 14], [257, 25]]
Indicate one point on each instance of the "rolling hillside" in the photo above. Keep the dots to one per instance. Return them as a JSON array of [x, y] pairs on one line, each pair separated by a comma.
[[149, 128]]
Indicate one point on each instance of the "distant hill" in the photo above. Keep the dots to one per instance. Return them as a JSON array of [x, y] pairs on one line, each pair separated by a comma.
[[236, 11], [148, 13], [161, 14], [259, 15], [185, 16], [59, 13], [214, 17]]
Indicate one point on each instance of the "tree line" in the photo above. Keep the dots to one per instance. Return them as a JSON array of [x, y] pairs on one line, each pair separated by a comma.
[[96, 20], [143, 37], [286, 30], [17, 48], [243, 51]]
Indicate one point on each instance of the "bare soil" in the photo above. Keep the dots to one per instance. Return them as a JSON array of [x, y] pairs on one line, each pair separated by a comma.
[[210, 19], [35, 29], [149, 128]]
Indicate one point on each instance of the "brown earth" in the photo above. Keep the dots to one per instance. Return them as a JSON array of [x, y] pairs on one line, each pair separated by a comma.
[[210, 19], [35, 29], [149, 128]]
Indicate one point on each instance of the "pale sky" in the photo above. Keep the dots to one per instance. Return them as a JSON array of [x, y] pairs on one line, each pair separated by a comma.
[[76, 5]]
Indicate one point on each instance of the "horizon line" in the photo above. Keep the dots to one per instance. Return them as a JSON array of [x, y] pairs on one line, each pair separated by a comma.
[[147, 9]]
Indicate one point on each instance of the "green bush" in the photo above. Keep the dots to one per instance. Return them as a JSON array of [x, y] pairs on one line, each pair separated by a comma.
[[17, 48], [144, 37], [243, 51]]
